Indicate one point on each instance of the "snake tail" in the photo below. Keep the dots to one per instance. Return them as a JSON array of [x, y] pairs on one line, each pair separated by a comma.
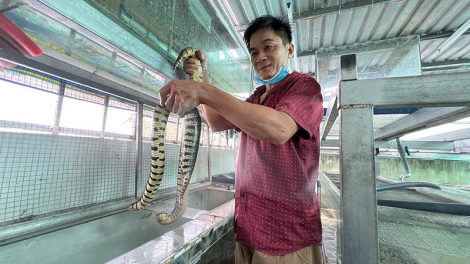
[[160, 118], [188, 152]]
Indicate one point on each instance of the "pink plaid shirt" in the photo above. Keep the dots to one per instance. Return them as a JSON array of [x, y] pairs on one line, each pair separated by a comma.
[[276, 208]]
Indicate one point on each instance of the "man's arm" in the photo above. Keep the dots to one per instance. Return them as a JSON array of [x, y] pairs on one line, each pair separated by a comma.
[[261, 122]]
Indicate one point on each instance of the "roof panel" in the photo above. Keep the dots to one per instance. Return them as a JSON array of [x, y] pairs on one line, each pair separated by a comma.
[[406, 13], [434, 17], [357, 24], [458, 19], [259, 7], [344, 25], [389, 14], [370, 22], [248, 8], [328, 35]]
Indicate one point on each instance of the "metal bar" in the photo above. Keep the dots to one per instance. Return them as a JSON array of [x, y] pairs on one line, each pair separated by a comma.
[[359, 231], [220, 139], [386, 144], [380, 45], [209, 154], [138, 141], [172, 32], [58, 221], [99, 38], [444, 64], [330, 117], [25, 126], [220, 13], [58, 109], [177, 128], [105, 115], [62, 66], [344, 7], [441, 35], [415, 91], [423, 118], [401, 150], [449, 136]]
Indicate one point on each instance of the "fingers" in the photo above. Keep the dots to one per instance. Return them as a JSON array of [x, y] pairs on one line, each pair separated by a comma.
[[179, 96], [164, 93], [200, 55], [190, 65]]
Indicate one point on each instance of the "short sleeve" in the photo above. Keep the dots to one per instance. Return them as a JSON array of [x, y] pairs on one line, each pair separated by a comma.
[[304, 103]]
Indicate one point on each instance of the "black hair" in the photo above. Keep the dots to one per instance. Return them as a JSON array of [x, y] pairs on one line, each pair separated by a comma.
[[281, 28]]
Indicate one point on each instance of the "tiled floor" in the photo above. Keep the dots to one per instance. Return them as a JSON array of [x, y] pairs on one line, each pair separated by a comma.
[[329, 238]]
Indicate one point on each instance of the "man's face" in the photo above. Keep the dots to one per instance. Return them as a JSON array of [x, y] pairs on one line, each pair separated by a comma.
[[268, 53]]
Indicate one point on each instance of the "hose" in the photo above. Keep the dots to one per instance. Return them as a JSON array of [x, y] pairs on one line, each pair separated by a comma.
[[406, 185], [443, 208]]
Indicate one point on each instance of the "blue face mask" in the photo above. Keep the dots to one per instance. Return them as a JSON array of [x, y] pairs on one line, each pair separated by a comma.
[[281, 74]]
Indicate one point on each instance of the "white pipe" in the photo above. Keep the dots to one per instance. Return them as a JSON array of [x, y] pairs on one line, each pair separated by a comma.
[[292, 24], [454, 36]]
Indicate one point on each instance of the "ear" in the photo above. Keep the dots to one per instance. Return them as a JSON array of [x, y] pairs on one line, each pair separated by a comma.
[[290, 52]]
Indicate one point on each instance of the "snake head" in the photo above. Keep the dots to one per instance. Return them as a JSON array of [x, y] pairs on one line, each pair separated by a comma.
[[184, 54]]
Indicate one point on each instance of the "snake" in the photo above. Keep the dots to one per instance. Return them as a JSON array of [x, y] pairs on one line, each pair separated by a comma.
[[187, 156]]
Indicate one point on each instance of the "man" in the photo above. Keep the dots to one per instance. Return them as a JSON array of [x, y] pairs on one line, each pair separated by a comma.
[[277, 216]]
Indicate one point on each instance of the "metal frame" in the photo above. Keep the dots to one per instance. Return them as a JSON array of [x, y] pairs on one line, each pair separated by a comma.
[[58, 111], [461, 134], [73, 25], [357, 99], [423, 118], [138, 141], [63, 66], [391, 144]]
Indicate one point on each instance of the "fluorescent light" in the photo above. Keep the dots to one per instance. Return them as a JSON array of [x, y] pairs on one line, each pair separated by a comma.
[[234, 53], [221, 55], [454, 36]]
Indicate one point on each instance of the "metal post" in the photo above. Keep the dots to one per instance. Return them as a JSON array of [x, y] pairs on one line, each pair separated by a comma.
[[138, 141], [58, 109], [209, 154], [401, 150], [177, 129], [359, 234], [220, 139], [105, 115]]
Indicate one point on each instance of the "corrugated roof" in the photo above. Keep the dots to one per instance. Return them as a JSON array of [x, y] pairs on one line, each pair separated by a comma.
[[338, 23]]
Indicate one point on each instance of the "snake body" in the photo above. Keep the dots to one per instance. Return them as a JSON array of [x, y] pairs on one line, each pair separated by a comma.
[[187, 157]]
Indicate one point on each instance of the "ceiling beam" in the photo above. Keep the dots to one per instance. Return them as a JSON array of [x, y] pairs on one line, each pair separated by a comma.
[[443, 64], [136, 50], [421, 119], [380, 45], [449, 136], [413, 91], [330, 117], [307, 15], [65, 67], [392, 144], [343, 8]]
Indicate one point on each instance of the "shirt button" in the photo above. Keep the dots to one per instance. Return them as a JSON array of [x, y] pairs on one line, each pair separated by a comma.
[[242, 195], [246, 173], [249, 151]]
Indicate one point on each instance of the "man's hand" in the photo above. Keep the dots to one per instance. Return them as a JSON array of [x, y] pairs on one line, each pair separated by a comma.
[[190, 65], [180, 97]]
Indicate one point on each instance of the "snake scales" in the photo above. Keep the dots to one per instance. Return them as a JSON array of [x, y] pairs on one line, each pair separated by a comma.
[[187, 157]]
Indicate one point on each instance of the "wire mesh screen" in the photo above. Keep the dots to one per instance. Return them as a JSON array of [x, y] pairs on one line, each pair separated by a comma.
[[64, 146]]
